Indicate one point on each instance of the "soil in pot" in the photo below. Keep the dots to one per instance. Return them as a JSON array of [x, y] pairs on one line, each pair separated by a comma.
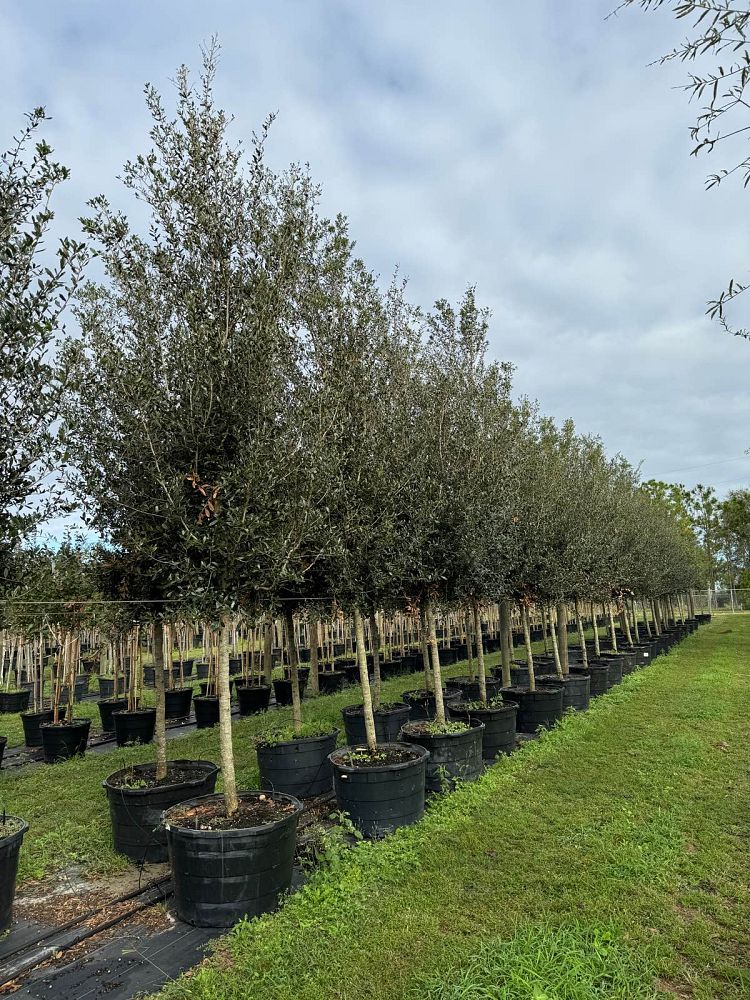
[[63, 740], [455, 753], [106, 707], [499, 725], [380, 790], [389, 719], [12, 830], [228, 868], [31, 721], [536, 709], [331, 681], [14, 701], [298, 767], [253, 698], [177, 703], [137, 800], [206, 711], [134, 727]]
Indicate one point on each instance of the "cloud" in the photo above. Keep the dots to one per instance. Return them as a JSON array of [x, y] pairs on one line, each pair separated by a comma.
[[524, 147]]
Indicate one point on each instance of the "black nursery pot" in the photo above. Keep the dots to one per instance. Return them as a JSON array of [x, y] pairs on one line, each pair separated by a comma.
[[106, 686], [422, 703], [3, 745], [134, 727], [14, 701], [381, 799], [282, 689], [31, 721], [351, 672], [454, 757], [177, 703], [388, 723], [499, 726], [331, 681], [206, 711], [536, 709], [598, 674], [253, 698], [469, 688], [10, 848], [78, 692], [106, 707], [63, 741], [298, 767], [201, 671], [576, 689], [221, 876], [136, 812]]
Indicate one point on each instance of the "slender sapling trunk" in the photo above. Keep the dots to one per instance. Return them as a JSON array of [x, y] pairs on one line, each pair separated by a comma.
[[364, 679]]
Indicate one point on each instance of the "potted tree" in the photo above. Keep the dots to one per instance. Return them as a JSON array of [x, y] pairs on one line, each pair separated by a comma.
[[185, 393]]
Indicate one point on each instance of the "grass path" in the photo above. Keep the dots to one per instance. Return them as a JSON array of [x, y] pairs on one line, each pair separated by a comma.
[[608, 860]]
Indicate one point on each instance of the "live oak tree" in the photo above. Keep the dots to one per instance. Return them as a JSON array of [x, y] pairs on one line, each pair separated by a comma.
[[36, 283], [468, 482], [182, 419]]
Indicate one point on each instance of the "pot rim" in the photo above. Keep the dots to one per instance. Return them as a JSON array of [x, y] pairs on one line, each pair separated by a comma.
[[423, 755], [360, 709], [300, 739], [73, 723], [209, 766], [489, 709], [474, 724], [18, 835], [186, 831]]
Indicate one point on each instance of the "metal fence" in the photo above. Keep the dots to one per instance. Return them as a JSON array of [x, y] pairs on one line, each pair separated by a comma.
[[721, 601]]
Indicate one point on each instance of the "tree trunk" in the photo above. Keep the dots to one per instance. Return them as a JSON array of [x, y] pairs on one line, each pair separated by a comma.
[[314, 637], [359, 634], [595, 626], [527, 642], [160, 730], [226, 750], [581, 634], [612, 630], [646, 622], [562, 633], [428, 683], [375, 642], [625, 625], [267, 652], [293, 672], [506, 641], [546, 623], [480, 655], [556, 651], [437, 676], [634, 621]]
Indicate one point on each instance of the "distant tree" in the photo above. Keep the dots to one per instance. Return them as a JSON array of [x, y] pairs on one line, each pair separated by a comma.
[[35, 286], [718, 35]]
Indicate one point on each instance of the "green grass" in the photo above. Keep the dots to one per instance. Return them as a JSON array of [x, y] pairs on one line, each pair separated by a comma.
[[606, 860]]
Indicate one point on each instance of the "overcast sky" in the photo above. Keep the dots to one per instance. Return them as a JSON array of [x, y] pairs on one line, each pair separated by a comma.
[[524, 147]]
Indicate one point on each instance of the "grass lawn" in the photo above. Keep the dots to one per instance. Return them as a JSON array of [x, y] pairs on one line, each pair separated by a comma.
[[607, 860]]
